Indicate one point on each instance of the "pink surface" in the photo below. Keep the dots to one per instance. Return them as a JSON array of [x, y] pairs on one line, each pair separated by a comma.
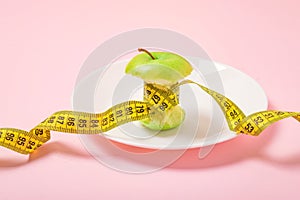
[[43, 45]]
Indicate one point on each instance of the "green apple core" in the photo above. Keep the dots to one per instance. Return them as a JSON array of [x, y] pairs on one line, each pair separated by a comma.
[[164, 69]]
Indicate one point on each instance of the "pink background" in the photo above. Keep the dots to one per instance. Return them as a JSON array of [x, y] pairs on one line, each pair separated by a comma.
[[43, 45]]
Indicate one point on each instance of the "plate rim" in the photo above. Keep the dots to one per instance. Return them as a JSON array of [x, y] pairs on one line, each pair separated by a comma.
[[230, 134]]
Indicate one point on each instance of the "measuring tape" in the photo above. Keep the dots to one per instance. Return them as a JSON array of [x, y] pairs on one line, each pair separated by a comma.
[[158, 100], [238, 122]]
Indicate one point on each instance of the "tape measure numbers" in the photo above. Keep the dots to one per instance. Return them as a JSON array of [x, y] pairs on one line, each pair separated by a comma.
[[157, 100]]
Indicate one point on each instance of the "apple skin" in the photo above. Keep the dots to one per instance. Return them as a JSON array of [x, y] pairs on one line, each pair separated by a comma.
[[167, 68]]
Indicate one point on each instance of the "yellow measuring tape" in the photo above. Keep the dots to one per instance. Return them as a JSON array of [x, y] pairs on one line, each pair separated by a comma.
[[159, 99]]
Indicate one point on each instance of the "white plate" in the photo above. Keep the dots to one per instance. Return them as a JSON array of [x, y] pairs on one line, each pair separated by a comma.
[[202, 124]]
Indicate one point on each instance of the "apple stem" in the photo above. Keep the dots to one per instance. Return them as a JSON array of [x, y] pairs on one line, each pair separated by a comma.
[[147, 52]]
